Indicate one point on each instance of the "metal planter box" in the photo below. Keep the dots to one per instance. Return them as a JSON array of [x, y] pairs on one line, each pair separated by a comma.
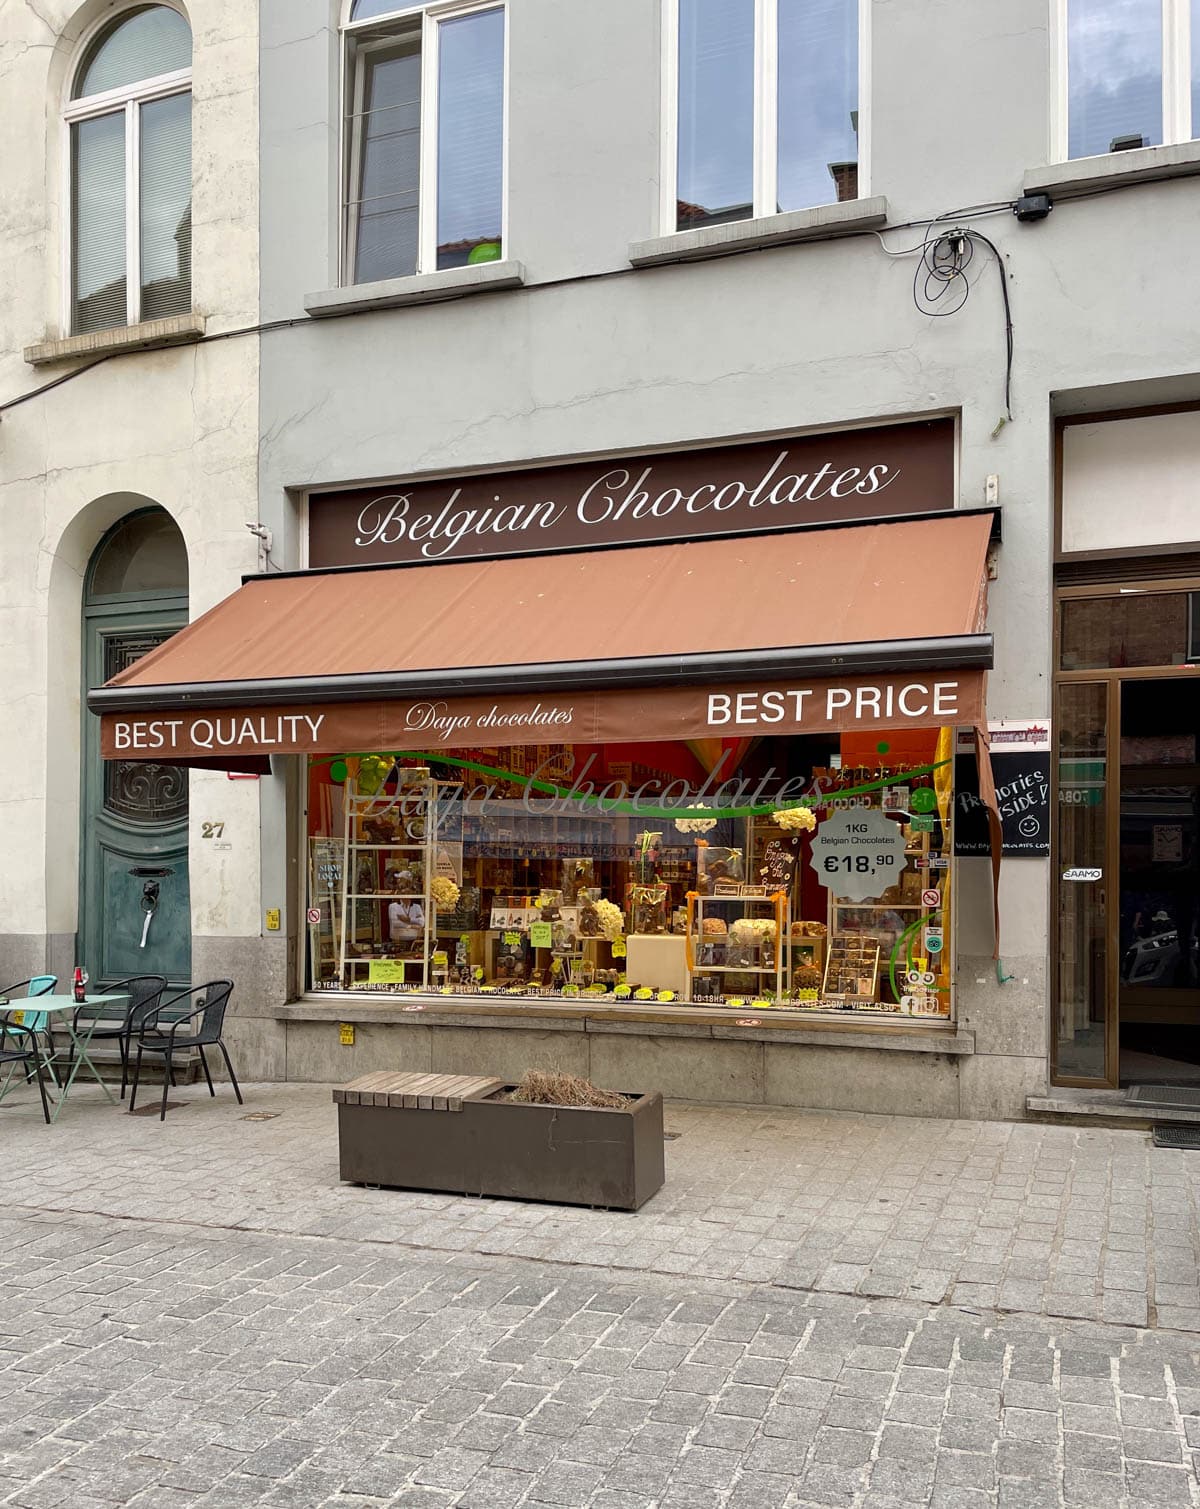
[[460, 1135]]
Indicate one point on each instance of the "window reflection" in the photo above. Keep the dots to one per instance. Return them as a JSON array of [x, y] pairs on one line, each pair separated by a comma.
[[818, 102], [1134, 628], [470, 138], [1114, 69], [716, 112]]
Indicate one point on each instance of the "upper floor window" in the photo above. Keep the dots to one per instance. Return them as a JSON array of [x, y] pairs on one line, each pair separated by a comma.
[[765, 100], [130, 125], [424, 139], [1132, 69]]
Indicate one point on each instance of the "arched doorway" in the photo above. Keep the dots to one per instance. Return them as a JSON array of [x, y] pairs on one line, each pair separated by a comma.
[[134, 913]]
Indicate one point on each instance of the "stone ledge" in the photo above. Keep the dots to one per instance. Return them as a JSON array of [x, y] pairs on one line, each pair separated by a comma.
[[150, 335], [1103, 1108], [682, 1023], [897, 1040], [423, 288], [821, 224], [1063, 180]]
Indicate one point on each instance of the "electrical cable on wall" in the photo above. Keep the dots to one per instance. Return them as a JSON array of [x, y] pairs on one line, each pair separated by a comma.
[[945, 274], [941, 286]]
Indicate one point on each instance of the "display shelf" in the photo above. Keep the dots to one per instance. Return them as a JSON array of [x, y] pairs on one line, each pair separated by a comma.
[[393, 848], [385, 895], [882, 906], [410, 809], [697, 940]]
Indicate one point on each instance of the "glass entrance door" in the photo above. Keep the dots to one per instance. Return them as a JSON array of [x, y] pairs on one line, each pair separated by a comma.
[[1158, 856], [1084, 1035]]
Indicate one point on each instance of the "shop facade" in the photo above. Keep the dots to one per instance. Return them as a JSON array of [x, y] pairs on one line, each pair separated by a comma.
[[714, 807], [362, 401]]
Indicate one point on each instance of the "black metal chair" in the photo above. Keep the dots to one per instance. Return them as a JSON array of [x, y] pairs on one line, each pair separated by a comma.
[[19, 1045], [145, 994], [213, 998]]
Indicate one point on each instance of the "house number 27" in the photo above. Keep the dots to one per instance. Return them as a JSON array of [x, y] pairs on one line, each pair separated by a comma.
[[212, 830]]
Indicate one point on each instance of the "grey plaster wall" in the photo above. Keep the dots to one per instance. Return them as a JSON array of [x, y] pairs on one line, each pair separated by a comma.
[[795, 337]]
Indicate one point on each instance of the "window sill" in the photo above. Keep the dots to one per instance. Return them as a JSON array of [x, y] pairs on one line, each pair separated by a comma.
[[150, 335], [648, 1021], [1064, 180], [423, 288], [821, 224]]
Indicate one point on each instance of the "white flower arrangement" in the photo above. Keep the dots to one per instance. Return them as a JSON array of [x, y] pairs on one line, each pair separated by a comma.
[[796, 819], [747, 930], [612, 919], [696, 824], [444, 893]]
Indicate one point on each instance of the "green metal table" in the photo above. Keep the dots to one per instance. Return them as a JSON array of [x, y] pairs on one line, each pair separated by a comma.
[[40, 1012]]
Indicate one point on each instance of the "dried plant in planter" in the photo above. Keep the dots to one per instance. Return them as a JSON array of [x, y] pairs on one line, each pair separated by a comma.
[[541, 1087]]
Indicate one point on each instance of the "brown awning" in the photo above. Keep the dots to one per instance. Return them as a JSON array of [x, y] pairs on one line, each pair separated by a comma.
[[823, 629]]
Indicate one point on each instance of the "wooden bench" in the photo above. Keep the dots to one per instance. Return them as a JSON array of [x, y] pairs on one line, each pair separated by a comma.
[[420, 1092]]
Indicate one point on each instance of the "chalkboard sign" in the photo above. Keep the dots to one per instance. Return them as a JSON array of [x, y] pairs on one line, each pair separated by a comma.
[[778, 868], [1022, 795]]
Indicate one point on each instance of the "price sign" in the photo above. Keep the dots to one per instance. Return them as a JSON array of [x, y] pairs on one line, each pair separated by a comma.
[[858, 854], [619, 950], [385, 972], [512, 940], [541, 935]]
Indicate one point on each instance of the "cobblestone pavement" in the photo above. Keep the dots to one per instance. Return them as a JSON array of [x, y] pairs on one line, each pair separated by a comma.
[[1093, 1224], [164, 1366], [199, 1316]]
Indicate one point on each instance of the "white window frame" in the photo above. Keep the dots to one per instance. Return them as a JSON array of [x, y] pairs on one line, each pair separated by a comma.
[[127, 99], [430, 18], [1177, 122], [766, 98]]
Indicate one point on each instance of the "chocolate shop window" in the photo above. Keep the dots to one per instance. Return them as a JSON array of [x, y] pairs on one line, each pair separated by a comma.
[[793, 875]]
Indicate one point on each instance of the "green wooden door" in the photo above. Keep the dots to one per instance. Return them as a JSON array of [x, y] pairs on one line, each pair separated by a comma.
[[134, 839]]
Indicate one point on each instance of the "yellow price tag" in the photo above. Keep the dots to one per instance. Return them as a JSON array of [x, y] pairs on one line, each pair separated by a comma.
[[346, 1034], [643, 993], [385, 972], [618, 949], [666, 995]]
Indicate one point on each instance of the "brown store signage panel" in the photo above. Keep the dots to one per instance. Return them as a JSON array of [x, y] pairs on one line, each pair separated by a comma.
[[881, 472], [908, 700]]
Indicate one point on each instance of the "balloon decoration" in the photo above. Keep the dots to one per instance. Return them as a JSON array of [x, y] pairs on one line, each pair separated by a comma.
[[727, 753]]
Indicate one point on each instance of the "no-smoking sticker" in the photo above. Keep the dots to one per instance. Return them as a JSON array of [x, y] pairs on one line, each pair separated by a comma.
[[931, 898], [314, 915]]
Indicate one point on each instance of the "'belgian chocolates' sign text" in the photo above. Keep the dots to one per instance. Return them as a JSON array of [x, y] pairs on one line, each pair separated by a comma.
[[875, 473]]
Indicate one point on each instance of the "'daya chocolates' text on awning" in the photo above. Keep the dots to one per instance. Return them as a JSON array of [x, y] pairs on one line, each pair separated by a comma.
[[785, 634]]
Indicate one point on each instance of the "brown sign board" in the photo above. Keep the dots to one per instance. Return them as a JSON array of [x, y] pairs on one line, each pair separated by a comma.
[[908, 700], [886, 471]]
